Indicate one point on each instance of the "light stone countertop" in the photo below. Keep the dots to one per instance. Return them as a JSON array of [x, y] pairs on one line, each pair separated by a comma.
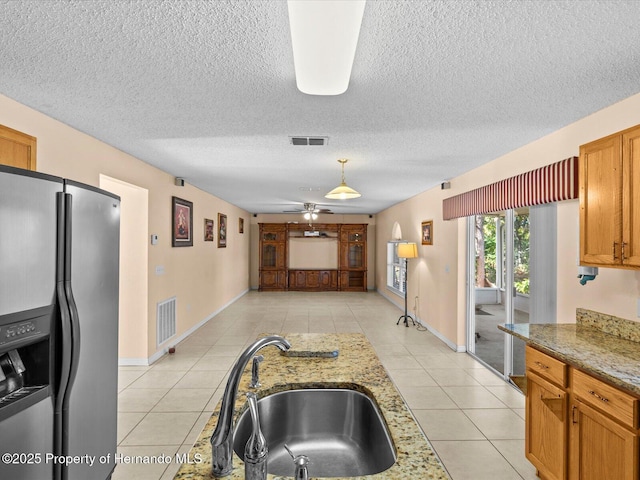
[[604, 346], [356, 367]]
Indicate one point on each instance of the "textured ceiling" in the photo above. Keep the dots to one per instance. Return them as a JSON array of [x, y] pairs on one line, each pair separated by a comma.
[[205, 89]]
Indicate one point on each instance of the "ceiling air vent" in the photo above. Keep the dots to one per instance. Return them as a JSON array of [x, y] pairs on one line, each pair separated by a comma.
[[309, 140]]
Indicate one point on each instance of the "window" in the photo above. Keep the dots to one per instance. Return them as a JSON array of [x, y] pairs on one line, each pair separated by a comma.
[[396, 269]]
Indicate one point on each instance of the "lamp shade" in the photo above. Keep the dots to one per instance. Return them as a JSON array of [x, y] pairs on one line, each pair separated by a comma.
[[407, 250], [342, 192]]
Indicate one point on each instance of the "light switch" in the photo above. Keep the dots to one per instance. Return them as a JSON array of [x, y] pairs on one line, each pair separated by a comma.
[[159, 269], [154, 239]]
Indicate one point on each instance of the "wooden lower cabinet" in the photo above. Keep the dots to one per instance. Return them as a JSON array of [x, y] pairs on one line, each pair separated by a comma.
[[582, 429], [601, 449], [273, 280], [546, 428], [313, 280]]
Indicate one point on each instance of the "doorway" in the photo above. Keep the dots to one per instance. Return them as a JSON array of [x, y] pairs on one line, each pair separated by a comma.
[[133, 318]]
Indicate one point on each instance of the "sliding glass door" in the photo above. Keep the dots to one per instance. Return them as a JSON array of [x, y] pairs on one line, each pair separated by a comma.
[[498, 254]]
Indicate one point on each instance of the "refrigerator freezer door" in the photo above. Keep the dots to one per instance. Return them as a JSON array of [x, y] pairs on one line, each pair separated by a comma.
[[27, 436], [27, 286], [27, 241], [91, 415]]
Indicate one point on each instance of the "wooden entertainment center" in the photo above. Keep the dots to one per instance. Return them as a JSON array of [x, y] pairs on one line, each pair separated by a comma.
[[320, 257]]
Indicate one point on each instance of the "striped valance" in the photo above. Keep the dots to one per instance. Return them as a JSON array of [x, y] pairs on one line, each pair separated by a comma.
[[555, 182]]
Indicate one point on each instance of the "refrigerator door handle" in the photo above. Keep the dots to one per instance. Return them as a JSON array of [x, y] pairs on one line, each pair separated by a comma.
[[74, 345], [65, 340]]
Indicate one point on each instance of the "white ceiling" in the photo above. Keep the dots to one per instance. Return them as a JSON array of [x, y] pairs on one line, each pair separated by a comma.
[[205, 89]]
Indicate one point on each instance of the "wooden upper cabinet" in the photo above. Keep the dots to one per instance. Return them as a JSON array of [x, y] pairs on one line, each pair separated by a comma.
[[353, 247], [610, 200], [17, 149], [631, 197]]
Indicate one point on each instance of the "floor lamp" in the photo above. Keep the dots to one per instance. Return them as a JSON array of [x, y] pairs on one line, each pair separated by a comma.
[[406, 251]]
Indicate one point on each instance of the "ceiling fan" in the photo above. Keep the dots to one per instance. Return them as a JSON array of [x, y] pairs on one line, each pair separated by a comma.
[[310, 208], [310, 212]]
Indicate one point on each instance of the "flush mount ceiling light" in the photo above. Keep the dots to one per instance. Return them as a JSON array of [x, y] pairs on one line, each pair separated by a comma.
[[342, 191], [324, 35]]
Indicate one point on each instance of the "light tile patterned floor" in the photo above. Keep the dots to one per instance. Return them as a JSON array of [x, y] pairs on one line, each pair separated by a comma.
[[472, 418]]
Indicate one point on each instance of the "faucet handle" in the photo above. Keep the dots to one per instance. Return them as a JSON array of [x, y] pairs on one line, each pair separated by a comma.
[[255, 371], [256, 451]]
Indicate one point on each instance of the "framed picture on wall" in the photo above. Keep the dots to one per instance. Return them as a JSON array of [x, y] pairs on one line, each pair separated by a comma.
[[241, 225], [181, 222], [208, 230], [222, 230], [427, 232]]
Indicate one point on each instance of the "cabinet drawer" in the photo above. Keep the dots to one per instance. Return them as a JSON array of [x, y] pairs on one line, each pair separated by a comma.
[[548, 367], [620, 405]]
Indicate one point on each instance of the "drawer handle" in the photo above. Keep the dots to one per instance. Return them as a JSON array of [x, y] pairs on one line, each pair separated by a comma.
[[541, 365], [603, 399]]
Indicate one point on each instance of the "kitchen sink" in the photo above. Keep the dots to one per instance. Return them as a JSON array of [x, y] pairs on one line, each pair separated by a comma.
[[341, 431]]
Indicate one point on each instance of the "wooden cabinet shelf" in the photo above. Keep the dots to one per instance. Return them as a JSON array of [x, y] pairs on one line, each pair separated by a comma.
[[273, 251], [276, 245]]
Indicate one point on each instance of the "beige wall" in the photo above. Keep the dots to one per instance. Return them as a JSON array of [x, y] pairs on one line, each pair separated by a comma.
[[438, 276], [203, 278]]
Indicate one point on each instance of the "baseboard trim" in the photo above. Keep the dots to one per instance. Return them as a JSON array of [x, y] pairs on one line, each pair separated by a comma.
[[438, 335], [123, 362]]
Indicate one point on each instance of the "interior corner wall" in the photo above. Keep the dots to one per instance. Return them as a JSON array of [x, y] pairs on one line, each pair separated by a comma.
[[441, 292], [203, 278]]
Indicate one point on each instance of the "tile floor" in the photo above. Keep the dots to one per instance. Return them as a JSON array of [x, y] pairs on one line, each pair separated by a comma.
[[472, 418]]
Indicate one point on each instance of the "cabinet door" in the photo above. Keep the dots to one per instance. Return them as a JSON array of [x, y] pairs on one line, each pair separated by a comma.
[[631, 198], [272, 255], [546, 428], [601, 201], [601, 449], [17, 149], [272, 280]]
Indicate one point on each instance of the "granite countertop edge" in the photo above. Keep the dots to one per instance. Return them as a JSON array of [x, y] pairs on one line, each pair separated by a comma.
[[613, 359]]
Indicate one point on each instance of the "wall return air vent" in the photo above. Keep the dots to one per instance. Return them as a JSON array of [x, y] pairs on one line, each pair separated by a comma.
[[321, 141]]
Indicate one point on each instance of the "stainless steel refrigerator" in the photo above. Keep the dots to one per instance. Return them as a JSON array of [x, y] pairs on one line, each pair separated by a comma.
[[59, 254]]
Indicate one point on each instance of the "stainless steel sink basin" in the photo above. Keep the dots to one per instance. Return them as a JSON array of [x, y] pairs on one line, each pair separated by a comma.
[[341, 431]]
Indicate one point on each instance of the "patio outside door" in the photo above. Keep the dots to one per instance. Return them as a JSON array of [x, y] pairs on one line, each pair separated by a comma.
[[499, 288]]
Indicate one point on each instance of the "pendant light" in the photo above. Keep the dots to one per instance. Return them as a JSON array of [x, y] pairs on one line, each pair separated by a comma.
[[342, 191]]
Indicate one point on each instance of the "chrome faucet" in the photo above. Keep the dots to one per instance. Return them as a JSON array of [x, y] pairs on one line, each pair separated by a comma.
[[222, 438]]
